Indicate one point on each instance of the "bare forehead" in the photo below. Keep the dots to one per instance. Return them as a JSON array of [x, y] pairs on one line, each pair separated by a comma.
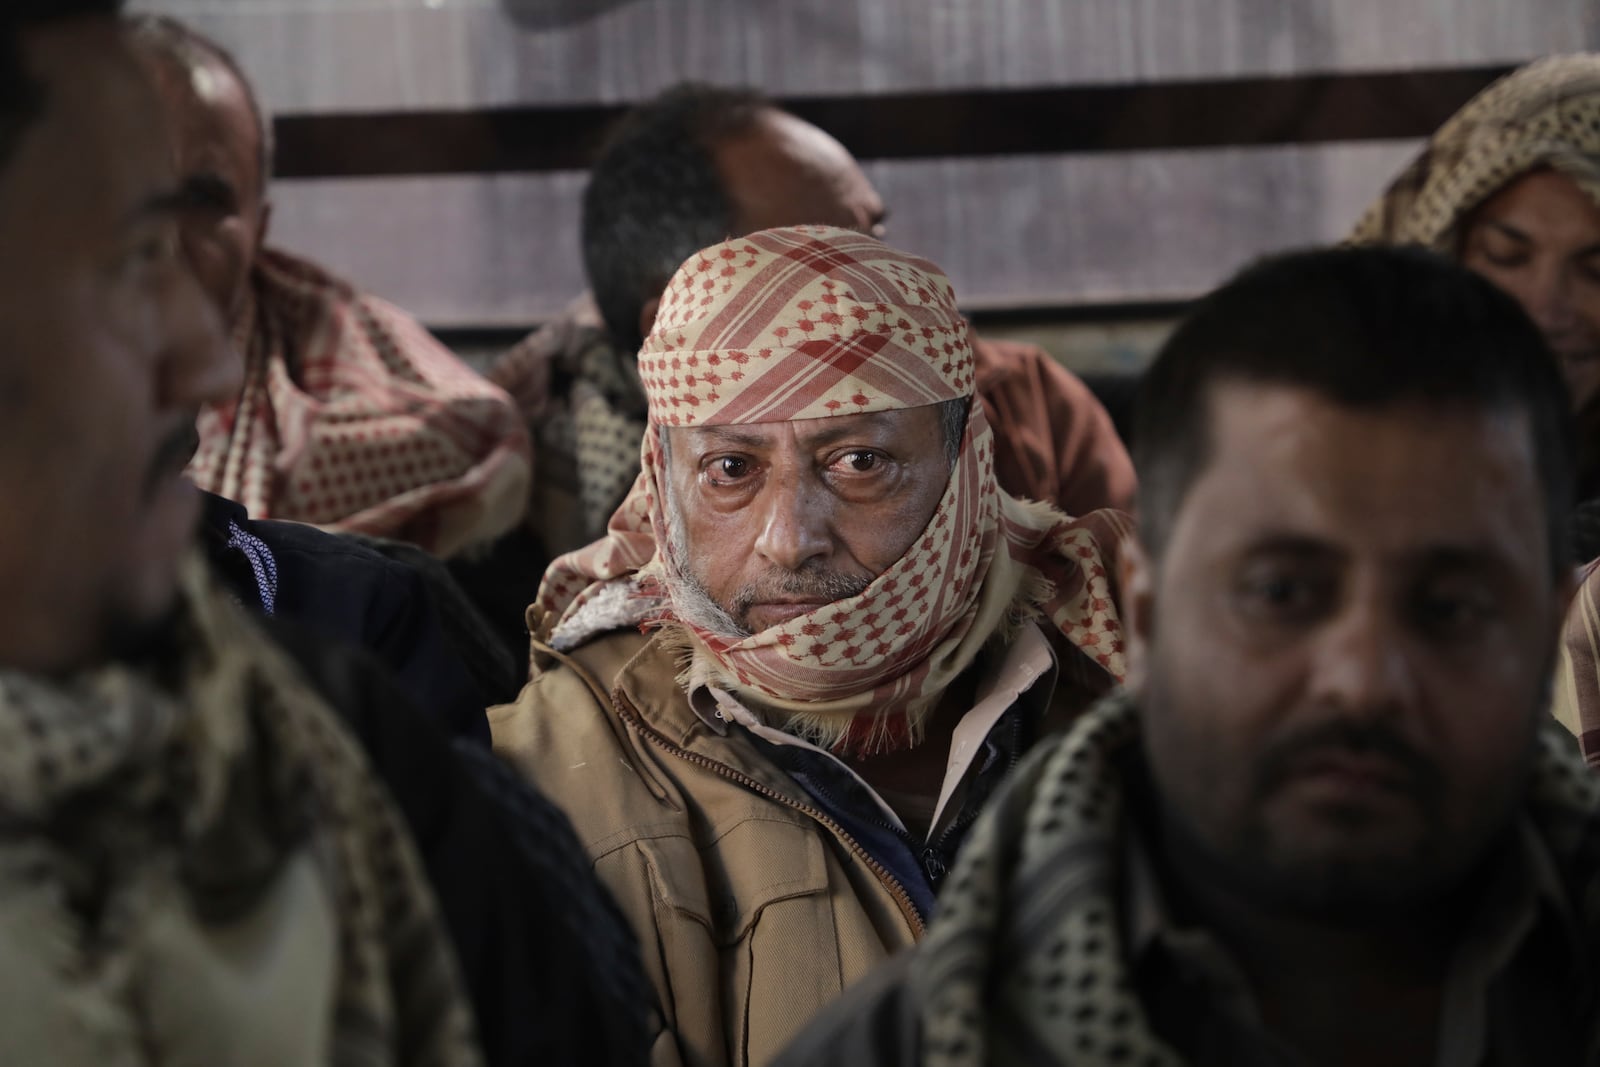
[[1389, 479], [202, 94]]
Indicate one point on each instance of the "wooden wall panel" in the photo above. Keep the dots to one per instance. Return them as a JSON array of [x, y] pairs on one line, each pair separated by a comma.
[[344, 55], [1030, 231], [1128, 226]]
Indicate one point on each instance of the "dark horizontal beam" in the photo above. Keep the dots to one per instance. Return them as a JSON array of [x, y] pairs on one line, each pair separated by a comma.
[[1304, 109], [1040, 315]]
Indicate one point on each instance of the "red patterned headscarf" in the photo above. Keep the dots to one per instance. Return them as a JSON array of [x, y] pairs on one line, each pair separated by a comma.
[[353, 417], [813, 322]]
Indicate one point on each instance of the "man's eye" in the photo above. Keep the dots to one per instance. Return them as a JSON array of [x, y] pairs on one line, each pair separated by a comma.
[[1501, 252], [208, 193], [1452, 615], [1279, 592], [1280, 596], [153, 249], [159, 249], [730, 468], [861, 461]]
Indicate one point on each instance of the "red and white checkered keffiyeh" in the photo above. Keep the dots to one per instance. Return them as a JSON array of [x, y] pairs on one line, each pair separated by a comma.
[[353, 417], [812, 322]]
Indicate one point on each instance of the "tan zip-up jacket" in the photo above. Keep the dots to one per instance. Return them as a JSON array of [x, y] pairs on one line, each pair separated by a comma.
[[753, 908]]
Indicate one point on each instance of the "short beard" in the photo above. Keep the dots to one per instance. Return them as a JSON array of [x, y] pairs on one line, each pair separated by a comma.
[[1252, 862]]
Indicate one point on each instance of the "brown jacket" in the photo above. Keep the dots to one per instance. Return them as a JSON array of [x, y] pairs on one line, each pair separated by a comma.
[[754, 909]]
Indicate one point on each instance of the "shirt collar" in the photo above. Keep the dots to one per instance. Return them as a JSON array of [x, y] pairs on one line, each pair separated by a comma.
[[1027, 659]]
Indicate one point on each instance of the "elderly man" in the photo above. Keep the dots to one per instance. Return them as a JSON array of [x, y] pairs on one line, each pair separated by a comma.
[[851, 633], [1332, 823], [351, 416], [687, 170]]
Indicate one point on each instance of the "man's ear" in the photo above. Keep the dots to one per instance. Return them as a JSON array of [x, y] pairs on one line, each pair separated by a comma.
[[647, 315], [1138, 575]]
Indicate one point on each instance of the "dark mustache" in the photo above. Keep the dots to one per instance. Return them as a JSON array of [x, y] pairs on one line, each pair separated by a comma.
[[172, 455], [1280, 763], [808, 583]]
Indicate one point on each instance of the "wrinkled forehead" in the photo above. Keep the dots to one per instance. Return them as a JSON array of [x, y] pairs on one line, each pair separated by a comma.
[[803, 323]]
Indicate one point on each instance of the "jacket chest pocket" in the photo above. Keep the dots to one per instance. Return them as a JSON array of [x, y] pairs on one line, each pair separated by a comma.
[[768, 903]]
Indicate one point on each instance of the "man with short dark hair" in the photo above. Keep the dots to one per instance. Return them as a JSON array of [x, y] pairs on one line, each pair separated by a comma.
[[850, 635], [351, 415], [197, 865], [1331, 823], [684, 171]]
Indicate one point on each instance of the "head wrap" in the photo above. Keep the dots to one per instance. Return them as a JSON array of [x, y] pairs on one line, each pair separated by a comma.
[[1546, 114], [816, 322]]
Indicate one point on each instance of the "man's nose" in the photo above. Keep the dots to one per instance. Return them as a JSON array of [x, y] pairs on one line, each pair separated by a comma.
[[199, 364], [795, 528], [1361, 664]]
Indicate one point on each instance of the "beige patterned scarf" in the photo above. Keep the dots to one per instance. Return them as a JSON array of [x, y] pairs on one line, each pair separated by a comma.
[[1546, 114], [354, 418], [581, 398], [223, 772], [814, 322]]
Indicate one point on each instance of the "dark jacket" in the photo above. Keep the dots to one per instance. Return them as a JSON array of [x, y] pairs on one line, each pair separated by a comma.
[[344, 589], [551, 967]]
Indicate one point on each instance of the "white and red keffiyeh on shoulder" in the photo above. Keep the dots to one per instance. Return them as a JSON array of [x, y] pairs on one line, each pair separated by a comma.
[[354, 418], [814, 322]]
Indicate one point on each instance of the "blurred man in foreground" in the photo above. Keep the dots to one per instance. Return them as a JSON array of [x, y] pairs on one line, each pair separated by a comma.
[[196, 859], [199, 866]]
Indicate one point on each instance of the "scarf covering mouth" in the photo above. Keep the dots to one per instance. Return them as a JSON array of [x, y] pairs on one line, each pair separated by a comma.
[[1543, 115], [818, 322], [354, 418]]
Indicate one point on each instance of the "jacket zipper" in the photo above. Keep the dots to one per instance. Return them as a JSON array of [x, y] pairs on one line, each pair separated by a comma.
[[970, 813], [907, 907], [920, 853]]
